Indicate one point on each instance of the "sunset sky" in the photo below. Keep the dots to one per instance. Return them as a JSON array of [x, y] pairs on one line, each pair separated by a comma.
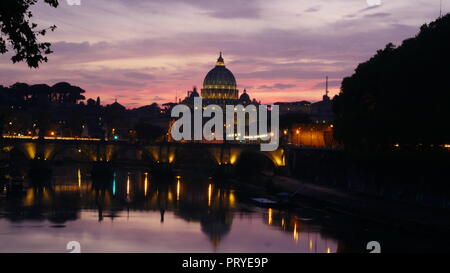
[[151, 51]]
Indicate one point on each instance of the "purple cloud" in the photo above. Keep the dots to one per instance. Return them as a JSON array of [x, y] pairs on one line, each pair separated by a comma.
[[277, 86], [322, 85], [161, 48]]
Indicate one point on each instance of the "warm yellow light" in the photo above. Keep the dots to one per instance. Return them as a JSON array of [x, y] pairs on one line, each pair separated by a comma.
[[269, 213], [178, 190], [55, 138], [297, 132], [30, 148], [233, 158], [29, 198], [295, 232], [128, 185], [285, 132], [171, 157], [52, 133], [310, 244], [145, 184], [232, 199], [79, 178], [328, 250], [20, 137], [209, 194]]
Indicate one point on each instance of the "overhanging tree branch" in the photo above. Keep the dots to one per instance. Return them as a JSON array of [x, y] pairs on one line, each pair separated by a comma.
[[18, 33]]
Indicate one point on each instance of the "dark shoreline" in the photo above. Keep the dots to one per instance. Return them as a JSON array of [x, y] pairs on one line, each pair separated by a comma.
[[397, 214]]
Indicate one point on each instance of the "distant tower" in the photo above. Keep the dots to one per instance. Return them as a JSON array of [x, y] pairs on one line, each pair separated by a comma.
[[326, 97], [98, 101]]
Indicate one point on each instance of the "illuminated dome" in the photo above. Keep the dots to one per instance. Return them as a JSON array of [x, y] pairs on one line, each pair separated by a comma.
[[219, 83], [220, 76]]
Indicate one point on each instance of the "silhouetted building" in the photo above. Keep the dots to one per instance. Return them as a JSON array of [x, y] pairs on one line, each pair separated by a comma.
[[294, 107], [322, 111]]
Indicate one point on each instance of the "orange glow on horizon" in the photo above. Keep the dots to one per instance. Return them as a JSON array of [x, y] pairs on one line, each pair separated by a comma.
[[169, 90]]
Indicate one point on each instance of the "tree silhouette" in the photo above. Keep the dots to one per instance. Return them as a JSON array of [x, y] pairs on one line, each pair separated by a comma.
[[20, 91], [148, 132], [290, 119], [17, 30], [401, 95], [64, 92], [40, 93]]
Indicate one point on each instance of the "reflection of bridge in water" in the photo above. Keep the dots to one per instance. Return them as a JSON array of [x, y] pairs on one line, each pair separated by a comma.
[[212, 208], [95, 150]]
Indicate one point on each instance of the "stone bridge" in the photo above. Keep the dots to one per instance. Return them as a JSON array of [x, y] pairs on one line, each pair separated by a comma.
[[92, 150]]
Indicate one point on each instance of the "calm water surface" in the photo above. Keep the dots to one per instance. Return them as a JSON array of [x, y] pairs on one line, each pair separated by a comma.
[[134, 213]]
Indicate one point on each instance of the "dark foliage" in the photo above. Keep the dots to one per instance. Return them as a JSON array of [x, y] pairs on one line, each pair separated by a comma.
[[148, 132], [400, 95], [40, 94], [290, 119], [253, 163], [18, 31], [25, 108]]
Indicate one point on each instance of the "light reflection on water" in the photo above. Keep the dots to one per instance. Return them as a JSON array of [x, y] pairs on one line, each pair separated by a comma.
[[136, 213]]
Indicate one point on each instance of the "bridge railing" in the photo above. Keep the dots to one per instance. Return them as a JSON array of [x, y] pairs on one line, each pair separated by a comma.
[[53, 138]]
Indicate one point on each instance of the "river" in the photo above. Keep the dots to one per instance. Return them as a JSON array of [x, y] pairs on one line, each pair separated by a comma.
[[136, 212]]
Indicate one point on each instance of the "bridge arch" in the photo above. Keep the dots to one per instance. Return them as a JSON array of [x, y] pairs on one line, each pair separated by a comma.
[[17, 152], [230, 154], [251, 161], [161, 153], [74, 152]]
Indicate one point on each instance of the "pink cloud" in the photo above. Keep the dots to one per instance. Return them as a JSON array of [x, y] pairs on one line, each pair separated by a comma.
[[141, 52]]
